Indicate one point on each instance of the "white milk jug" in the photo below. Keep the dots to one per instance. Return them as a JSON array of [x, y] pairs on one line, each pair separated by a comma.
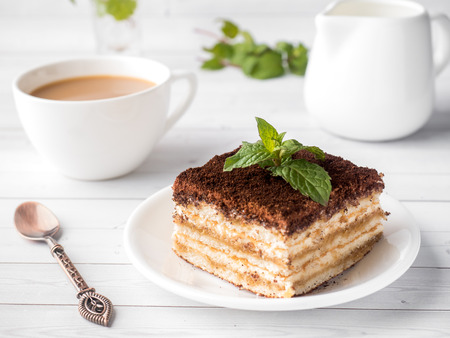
[[372, 68]]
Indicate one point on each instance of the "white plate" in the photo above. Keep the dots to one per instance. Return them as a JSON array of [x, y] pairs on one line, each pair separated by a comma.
[[148, 245]]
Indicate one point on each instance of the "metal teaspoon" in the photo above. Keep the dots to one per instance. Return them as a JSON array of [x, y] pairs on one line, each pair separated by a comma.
[[34, 221]]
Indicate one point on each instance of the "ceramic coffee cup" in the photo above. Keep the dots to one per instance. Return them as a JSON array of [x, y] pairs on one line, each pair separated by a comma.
[[372, 68], [105, 138]]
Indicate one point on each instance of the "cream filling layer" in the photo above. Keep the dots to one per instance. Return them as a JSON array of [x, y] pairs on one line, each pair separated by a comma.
[[371, 227], [267, 262], [266, 241], [309, 263], [247, 280], [259, 280]]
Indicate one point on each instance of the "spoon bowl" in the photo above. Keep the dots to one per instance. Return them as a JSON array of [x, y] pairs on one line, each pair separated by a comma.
[[36, 222]]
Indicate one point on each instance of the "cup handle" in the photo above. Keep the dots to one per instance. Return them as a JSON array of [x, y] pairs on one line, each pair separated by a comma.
[[175, 115], [441, 41]]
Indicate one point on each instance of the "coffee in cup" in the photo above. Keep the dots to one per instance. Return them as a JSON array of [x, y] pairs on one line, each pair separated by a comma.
[[93, 87], [99, 138]]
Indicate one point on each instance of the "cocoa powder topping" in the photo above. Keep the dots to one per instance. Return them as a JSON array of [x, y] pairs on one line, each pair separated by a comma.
[[257, 196]]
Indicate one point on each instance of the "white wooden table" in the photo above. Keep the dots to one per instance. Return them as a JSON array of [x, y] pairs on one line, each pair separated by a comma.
[[36, 299]]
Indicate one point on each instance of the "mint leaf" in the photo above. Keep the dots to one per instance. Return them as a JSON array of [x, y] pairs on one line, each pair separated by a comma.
[[269, 64], [320, 155], [268, 134], [288, 148], [249, 154], [248, 39], [229, 29], [258, 61], [213, 64], [240, 53], [298, 60], [221, 50], [242, 50], [281, 137], [284, 47], [119, 9], [273, 154], [266, 163], [249, 62], [260, 49], [308, 178]]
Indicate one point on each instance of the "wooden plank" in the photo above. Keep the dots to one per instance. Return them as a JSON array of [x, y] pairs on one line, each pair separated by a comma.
[[51, 9], [83, 247], [434, 250], [394, 157], [113, 213], [267, 8], [418, 288], [123, 284], [142, 184], [79, 30], [192, 8], [25, 174], [431, 216], [45, 321], [79, 213]]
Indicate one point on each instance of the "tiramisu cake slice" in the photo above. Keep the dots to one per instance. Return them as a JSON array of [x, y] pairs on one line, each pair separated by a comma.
[[254, 230]]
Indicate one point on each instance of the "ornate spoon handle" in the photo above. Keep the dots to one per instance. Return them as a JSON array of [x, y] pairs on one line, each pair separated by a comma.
[[92, 306]]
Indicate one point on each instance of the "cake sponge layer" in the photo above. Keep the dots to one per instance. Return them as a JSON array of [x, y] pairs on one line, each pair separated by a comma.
[[252, 257]]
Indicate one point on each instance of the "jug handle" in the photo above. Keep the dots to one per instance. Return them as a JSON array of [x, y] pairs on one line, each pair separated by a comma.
[[441, 41]]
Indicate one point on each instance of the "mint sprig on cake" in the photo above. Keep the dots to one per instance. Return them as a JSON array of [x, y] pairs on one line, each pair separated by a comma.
[[275, 155]]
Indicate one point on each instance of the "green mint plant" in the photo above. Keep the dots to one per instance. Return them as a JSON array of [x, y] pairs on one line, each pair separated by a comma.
[[275, 155], [119, 9], [237, 48]]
